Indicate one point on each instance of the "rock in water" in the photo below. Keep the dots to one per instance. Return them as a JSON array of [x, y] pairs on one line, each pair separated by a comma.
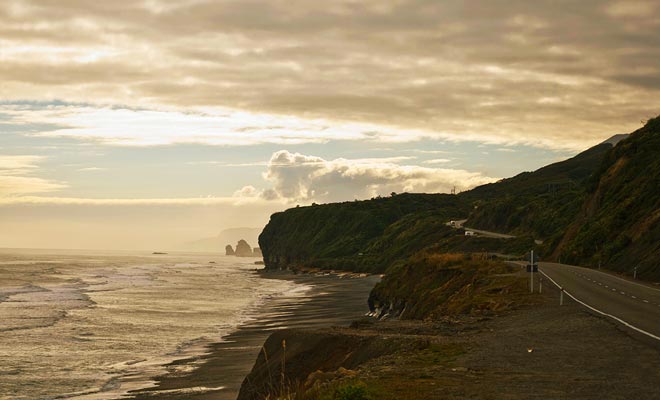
[[243, 249], [229, 251], [256, 252]]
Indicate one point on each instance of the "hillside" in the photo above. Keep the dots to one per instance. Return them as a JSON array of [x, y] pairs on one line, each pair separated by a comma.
[[619, 223], [360, 235], [541, 203]]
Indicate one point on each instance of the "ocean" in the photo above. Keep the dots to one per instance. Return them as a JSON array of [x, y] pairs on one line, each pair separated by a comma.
[[94, 325]]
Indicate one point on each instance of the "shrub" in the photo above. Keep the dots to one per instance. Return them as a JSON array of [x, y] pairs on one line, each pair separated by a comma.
[[351, 392]]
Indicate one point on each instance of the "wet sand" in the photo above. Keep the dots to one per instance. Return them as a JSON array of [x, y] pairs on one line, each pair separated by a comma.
[[331, 301]]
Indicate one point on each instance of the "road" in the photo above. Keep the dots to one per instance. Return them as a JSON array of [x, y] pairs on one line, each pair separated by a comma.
[[632, 304], [459, 224]]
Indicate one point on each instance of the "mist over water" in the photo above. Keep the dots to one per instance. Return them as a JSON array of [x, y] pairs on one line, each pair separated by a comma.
[[94, 326]]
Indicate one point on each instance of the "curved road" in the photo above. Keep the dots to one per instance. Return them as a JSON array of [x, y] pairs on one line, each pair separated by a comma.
[[633, 304]]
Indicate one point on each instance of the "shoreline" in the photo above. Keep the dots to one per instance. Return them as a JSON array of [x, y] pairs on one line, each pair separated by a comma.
[[332, 300]]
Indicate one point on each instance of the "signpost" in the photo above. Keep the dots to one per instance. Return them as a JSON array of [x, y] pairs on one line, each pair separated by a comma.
[[532, 267]]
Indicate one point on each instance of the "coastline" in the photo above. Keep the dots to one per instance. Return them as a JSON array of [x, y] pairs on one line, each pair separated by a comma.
[[330, 300]]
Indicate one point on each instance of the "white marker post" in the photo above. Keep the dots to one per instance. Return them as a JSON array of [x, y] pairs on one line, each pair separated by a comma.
[[635, 273]]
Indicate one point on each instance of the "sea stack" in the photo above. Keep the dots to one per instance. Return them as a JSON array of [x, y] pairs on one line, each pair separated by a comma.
[[229, 251], [257, 252], [243, 249]]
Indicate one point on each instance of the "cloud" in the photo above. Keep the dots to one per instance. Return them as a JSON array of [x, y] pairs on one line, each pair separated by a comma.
[[479, 72], [14, 180], [145, 127], [82, 201], [92, 169], [437, 161], [305, 178]]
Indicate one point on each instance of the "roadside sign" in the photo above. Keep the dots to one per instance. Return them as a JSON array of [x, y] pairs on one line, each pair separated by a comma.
[[532, 257]]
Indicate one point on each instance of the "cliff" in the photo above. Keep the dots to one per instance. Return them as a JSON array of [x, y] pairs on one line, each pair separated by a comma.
[[431, 286], [352, 235], [312, 356]]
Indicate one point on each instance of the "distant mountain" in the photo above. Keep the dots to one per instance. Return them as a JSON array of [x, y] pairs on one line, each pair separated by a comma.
[[225, 237]]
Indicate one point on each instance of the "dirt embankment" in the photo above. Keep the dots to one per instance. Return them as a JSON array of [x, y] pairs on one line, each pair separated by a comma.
[[537, 351]]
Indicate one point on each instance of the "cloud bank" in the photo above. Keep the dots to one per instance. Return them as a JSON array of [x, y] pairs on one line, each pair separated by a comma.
[[295, 177], [556, 74], [15, 179]]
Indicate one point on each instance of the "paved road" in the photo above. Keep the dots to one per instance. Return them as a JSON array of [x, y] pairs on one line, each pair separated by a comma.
[[459, 224], [632, 303]]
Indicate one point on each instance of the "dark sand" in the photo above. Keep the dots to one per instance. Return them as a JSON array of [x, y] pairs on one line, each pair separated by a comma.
[[333, 301]]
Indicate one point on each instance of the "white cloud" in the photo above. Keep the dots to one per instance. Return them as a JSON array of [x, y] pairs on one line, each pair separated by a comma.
[[14, 180], [437, 161], [18, 164], [92, 169], [141, 127], [305, 178]]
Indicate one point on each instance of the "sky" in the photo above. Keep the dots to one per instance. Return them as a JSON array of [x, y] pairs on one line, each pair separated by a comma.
[[145, 124]]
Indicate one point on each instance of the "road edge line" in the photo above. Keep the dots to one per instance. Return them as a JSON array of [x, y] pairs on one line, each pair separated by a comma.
[[602, 312]]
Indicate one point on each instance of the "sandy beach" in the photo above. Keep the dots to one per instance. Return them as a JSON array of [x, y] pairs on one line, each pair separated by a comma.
[[327, 300]]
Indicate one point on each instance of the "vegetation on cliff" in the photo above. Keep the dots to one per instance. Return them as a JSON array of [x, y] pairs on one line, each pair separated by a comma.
[[435, 285], [541, 203], [358, 236], [619, 223]]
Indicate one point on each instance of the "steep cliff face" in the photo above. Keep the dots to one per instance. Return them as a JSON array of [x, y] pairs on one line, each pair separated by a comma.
[[298, 358], [356, 235], [618, 226], [432, 285]]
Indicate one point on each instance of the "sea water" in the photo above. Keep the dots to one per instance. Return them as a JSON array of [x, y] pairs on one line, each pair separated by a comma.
[[94, 325]]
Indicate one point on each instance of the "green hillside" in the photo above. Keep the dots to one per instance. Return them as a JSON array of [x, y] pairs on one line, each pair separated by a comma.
[[359, 235], [541, 203], [619, 223]]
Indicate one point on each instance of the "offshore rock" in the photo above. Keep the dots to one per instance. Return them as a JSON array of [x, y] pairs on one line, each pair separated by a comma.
[[256, 252], [229, 251], [243, 249]]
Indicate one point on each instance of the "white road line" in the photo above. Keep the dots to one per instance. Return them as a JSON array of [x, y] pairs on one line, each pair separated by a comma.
[[634, 297], [601, 312], [612, 276], [645, 301]]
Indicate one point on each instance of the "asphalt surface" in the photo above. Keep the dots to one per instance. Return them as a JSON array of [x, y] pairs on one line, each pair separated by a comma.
[[459, 224], [634, 305]]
